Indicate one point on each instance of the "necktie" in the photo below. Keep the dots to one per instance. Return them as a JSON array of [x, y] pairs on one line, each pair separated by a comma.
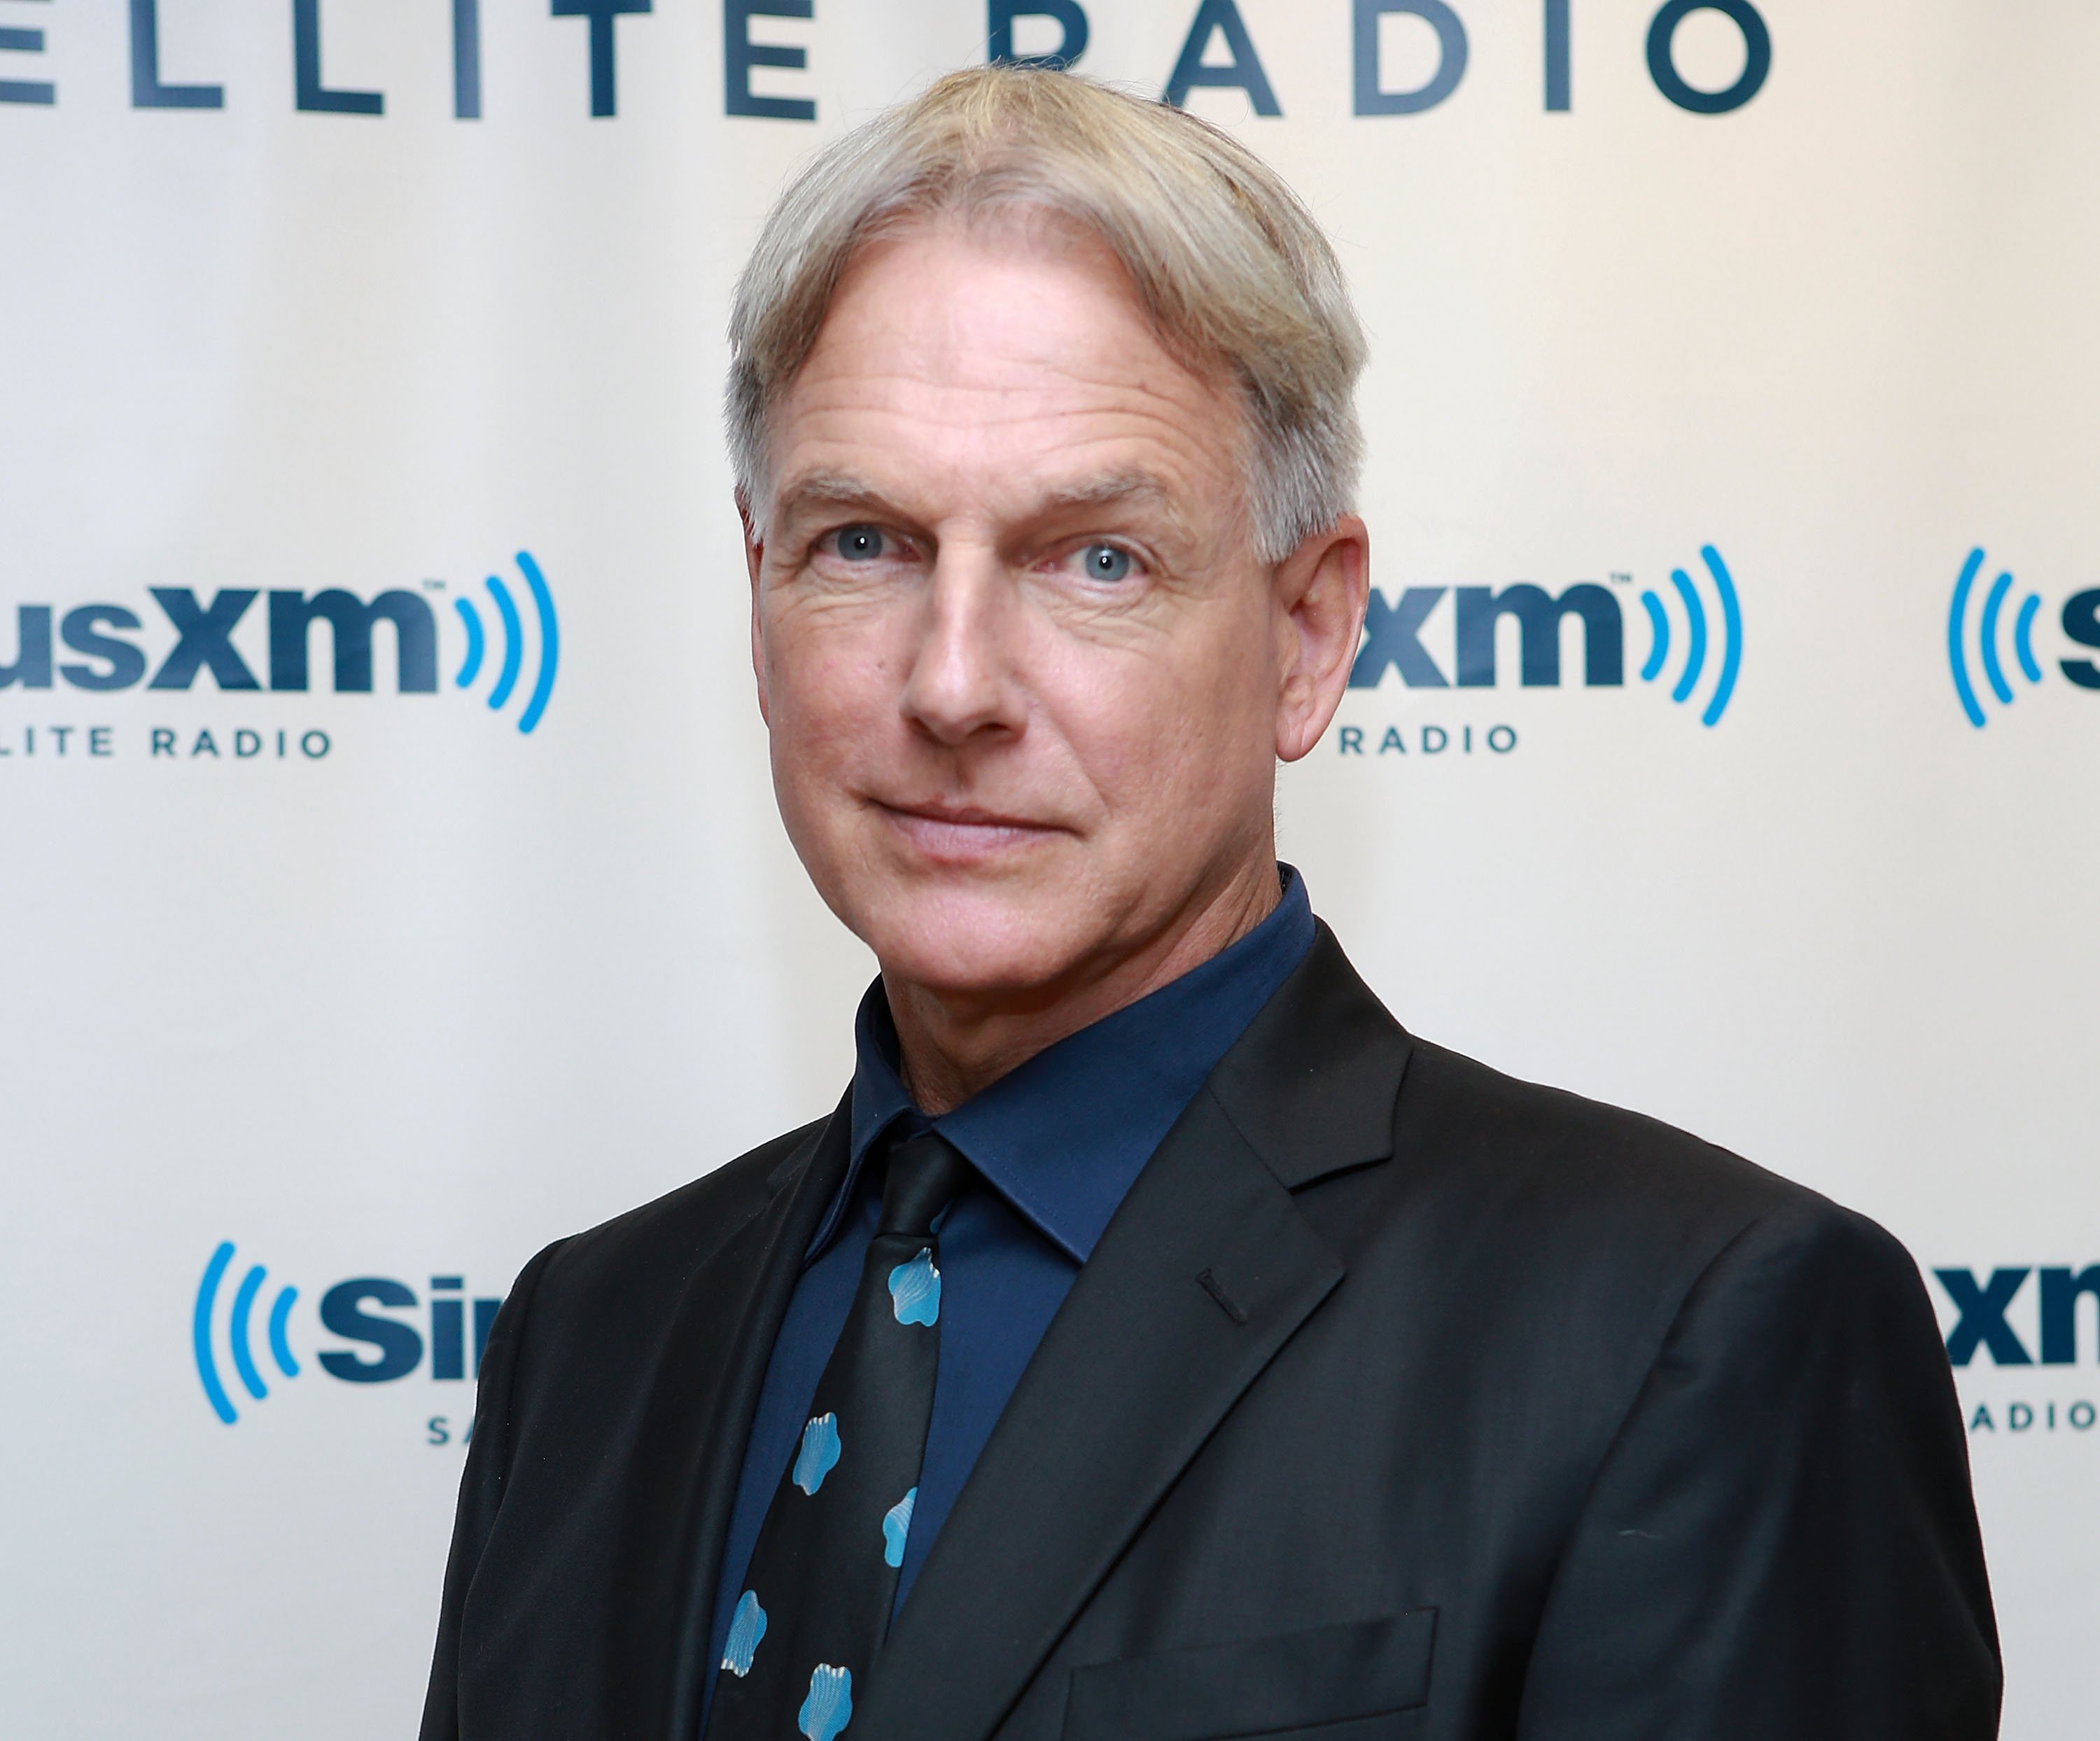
[[816, 1600]]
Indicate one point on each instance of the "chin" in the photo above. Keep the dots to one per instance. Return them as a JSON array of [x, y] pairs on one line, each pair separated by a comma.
[[983, 945]]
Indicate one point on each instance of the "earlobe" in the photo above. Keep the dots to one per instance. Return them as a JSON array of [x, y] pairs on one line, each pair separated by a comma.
[[754, 560], [758, 661], [1323, 587]]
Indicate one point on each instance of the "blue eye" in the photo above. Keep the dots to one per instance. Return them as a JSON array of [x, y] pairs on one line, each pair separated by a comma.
[[859, 544], [1104, 562]]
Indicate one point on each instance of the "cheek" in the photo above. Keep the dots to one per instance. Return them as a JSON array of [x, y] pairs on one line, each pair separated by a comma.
[[836, 657], [1182, 726], [829, 692]]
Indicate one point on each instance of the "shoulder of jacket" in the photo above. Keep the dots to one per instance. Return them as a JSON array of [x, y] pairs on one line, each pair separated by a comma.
[[670, 1234], [1577, 1225], [1562, 1155]]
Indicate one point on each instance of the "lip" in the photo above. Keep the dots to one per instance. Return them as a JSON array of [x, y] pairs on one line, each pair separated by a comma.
[[956, 833]]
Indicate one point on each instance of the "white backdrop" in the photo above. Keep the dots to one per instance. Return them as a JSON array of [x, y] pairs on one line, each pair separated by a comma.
[[409, 1001]]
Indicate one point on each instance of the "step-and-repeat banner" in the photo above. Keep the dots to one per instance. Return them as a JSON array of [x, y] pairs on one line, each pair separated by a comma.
[[388, 877]]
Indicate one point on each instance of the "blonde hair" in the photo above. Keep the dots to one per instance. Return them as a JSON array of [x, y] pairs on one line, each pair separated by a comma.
[[1229, 266]]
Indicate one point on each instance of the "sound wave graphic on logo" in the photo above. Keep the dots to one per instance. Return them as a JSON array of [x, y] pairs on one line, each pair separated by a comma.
[[240, 1333], [1987, 641], [1695, 637], [514, 642]]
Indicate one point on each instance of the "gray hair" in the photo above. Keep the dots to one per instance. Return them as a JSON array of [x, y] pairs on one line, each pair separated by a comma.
[[1228, 265]]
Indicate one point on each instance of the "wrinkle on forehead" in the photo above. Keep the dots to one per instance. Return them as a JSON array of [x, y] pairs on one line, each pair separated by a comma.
[[1021, 230], [949, 357], [822, 489]]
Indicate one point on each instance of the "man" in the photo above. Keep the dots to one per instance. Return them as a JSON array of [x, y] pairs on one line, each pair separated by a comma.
[[1157, 1341]]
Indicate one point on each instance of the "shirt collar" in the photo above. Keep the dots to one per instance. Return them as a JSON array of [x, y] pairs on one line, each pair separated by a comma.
[[1063, 1137]]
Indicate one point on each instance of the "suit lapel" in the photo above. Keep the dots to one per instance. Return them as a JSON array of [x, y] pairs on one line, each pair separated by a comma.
[[1312, 1082], [1206, 1271], [688, 1448]]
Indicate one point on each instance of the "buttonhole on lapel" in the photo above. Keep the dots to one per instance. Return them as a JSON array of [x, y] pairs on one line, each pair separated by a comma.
[[1231, 1307]]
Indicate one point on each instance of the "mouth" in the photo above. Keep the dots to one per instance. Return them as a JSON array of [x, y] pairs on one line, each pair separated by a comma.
[[964, 833]]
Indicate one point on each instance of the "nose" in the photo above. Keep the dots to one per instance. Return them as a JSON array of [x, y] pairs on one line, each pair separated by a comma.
[[964, 680]]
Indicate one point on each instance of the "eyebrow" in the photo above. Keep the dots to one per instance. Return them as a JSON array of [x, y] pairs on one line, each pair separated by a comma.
[[819, 490], [823, 489], [1111, 489]]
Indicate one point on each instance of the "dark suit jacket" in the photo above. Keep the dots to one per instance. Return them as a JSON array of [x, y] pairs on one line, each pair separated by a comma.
[[1401, 1400]]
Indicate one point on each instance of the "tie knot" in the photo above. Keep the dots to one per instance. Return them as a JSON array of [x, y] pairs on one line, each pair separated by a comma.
[[926, 1174]]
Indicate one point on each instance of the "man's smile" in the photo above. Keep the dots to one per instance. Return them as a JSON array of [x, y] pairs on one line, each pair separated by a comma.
[[963, 834]]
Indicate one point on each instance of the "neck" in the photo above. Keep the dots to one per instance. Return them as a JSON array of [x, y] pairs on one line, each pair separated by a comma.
[[954, 1046]]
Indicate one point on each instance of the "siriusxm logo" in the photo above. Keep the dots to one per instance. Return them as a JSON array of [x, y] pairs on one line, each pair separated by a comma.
[[360, 1311], [513, 656], [1710, 636], [1980, 1308], [2029, 1337], [204, 644], [1985, 645], [1730, 654], [1218, 51]]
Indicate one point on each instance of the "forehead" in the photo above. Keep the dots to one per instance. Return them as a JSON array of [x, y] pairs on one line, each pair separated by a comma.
[[1001, 364]]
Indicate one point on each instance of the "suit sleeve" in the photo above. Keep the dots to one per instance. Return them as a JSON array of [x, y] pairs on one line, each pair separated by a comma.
[[1781, 1542], [481, 1491]]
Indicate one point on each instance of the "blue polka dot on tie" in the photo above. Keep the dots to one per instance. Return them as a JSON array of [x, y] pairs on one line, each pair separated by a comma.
[[829, 1706], [915, 1290], [819, 1455], [747, 1626], [897, 1528]]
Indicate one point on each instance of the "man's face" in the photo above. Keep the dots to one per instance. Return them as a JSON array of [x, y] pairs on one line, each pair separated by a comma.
[[1019, 663]]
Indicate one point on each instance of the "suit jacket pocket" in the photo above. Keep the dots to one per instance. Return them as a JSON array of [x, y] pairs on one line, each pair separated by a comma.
[[1294, 1680]]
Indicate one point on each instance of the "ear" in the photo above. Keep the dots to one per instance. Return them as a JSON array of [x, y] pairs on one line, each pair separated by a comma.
[[754, 559], [1319, 590]]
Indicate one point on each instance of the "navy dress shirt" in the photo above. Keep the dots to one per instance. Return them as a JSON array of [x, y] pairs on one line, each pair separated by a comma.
[[1057, 1144]]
